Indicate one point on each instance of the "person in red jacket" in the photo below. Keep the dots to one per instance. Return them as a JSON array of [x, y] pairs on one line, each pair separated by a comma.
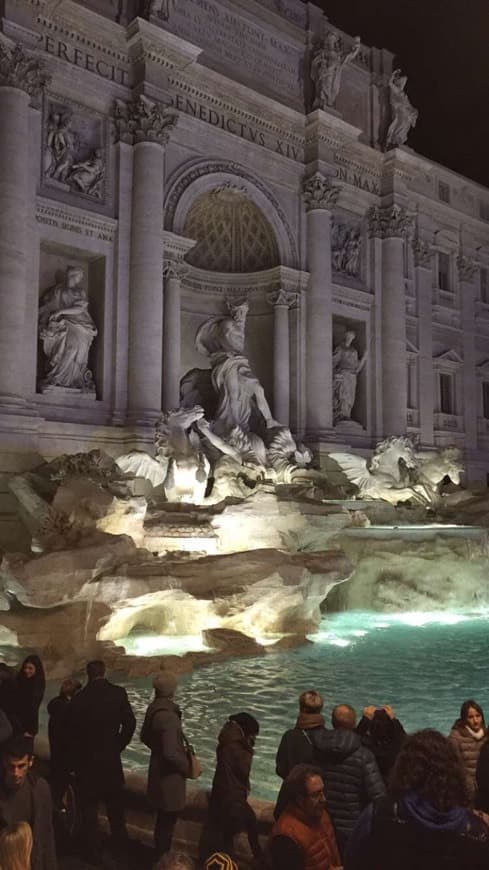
[[303, 836]]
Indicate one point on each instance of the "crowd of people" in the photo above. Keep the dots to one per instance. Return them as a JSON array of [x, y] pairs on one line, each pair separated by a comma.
[[354, 796]]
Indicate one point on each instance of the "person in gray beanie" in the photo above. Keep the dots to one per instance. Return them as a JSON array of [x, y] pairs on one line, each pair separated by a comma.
[[168, 766]]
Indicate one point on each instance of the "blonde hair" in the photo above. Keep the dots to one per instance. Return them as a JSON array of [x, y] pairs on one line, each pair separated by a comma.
[[16, 847]]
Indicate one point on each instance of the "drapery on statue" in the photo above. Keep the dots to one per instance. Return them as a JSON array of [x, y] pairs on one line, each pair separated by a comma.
[[327, 68], [67, 331], [60, 147], [346, 368], [88, 175], [240, 396], [404, 115]]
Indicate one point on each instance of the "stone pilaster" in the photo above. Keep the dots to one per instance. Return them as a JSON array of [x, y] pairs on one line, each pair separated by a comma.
[[391, 224], [146, 126], [281, 301], [320, 196], [423, 262], [22, 77], [467, 271], [173, 271]]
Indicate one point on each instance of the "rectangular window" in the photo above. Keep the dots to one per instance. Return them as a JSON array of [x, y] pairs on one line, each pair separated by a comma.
[[484, 210], [444, 271], [484, 285], [443, 192], [446, 394], [485, 399], [411, 385]]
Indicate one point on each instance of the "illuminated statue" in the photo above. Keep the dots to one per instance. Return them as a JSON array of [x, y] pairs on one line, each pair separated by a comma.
[[404, 115], [327, 68]]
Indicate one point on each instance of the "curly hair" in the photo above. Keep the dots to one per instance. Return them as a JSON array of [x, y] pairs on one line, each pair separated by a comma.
[[429, 765]]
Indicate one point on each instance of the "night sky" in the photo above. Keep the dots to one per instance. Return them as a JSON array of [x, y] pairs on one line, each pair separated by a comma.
[[443, 47]]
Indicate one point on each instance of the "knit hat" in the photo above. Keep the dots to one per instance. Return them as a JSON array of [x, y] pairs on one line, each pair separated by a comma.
[[165, 684], [220, 861]]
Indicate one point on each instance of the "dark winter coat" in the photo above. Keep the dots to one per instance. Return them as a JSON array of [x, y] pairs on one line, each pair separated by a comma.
[[168, 766], [40, 817], [59, 732], [29, 695], [231, 783], [412, 833], [295, 748], [387, 749], [351, 777], [101, 724]]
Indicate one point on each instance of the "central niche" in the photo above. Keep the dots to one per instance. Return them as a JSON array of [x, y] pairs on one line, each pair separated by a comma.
[[231, 232]]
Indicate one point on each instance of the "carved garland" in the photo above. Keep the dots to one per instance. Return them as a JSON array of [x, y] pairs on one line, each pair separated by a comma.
[[467, 269], [423, 253]]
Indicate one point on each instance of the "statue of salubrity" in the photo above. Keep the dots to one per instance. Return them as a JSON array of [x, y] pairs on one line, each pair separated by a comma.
[[404, 115], [346, 368], [327, 68], [66, 331]]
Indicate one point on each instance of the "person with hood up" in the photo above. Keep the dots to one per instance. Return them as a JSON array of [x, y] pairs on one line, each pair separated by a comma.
[[467, 736], [350, 772], [383, 734], [169, 766], [425, 820], [229, 810], [31, 685]]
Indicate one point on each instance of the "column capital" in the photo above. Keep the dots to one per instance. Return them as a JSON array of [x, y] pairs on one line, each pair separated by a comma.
[[389, 222], [281, 297], [319, 192], [467, 269], [143, 120], [20, 70], [423, 253], [174, 267]]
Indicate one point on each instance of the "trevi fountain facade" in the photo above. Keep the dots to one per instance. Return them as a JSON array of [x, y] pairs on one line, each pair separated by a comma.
[[244, 335]]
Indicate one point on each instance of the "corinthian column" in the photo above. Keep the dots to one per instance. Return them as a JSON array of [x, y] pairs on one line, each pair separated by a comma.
[[467, 271], [281, 301], [21, 77], [145, 125], [391, 224], [319, 196], [174, 270], [423, 261]]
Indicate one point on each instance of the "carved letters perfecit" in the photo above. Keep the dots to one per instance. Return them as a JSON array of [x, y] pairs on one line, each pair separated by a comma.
[[319, 192], [19, 70], [389, 223], [143, 120]]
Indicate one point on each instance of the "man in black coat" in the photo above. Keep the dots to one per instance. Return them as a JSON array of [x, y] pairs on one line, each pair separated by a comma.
[[102, 723]]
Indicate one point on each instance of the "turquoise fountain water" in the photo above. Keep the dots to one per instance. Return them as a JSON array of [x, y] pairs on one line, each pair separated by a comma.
[[424, 665]]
